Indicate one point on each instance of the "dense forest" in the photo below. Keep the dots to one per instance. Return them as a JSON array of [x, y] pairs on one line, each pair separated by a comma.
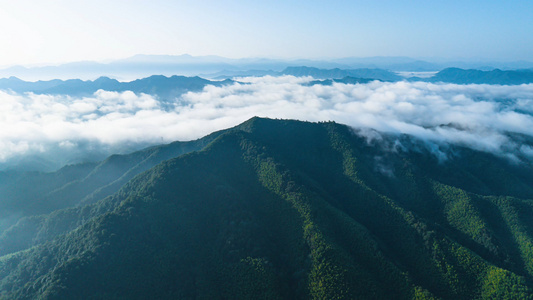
[[273, 209]]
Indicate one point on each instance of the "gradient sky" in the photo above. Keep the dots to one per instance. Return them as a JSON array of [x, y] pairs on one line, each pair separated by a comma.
[[45, 31]]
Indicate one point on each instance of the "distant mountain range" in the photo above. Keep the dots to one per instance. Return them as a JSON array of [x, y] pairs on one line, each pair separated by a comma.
[[165, 87], [168, 88], [377, 74], [460, 76], [140, 66], [272, 209], [449, 75]]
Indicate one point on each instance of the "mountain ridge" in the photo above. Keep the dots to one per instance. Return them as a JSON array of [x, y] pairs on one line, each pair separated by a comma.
[[163, 86], [145, 65], [496, 76], [289, 209], [168, 88]]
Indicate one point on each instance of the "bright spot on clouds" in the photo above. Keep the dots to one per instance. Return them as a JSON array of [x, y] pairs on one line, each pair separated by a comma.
[[477, 116]]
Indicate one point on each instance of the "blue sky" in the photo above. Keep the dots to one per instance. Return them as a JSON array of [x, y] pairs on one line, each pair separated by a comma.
[[35, 32]]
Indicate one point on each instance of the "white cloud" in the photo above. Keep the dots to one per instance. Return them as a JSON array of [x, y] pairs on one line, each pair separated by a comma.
[[478, 116]]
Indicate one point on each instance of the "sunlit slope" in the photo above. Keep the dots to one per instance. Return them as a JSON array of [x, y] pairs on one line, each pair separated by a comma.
[[294, 210]]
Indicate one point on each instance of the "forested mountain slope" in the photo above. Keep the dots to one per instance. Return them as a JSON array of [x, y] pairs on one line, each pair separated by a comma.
[[24, 194], [277, 209]]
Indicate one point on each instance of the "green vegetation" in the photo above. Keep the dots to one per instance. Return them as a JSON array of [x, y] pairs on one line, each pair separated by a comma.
[[276, 209]]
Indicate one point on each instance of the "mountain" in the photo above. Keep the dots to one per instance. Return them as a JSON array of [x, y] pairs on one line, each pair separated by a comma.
[[140, 66], [165, 87], [281, 209], [345, 80], [228, 74], [377, 74], [215, 67], [497, 76], [318, 73], [398, 63], [17, 85], [448, 75], [168, 88]]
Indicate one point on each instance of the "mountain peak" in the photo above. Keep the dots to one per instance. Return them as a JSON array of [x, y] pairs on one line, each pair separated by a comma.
[[284, 210]]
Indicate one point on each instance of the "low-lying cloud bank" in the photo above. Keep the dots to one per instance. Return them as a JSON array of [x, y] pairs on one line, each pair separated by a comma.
[[64, 129]]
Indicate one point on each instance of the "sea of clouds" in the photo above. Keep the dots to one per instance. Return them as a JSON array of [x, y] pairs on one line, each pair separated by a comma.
[[64, 129]]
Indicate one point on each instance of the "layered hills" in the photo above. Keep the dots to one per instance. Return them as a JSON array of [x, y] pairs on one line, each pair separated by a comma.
[[165, 87], [145, 65], [274, 209], [447, 75], [174, 86]]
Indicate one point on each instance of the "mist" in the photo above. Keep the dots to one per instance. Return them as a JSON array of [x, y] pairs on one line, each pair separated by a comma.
[[56, 130]]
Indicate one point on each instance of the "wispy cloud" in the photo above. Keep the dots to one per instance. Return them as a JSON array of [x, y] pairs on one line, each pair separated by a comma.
[[477, 116]]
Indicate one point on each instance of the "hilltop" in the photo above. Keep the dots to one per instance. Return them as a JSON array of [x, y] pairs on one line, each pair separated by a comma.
[[283, 209]]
